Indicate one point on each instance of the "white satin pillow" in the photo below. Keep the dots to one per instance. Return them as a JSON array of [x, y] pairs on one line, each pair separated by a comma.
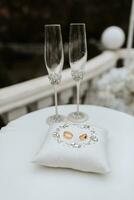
[[78, 146]]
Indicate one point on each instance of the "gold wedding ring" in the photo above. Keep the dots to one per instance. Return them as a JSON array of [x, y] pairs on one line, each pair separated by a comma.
[[83, 136], [68, 135]]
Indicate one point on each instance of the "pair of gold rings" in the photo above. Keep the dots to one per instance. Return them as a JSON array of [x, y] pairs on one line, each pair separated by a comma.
[[68, 135]]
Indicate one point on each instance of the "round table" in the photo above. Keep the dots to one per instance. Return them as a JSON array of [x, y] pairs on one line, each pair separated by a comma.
[[20, 179]]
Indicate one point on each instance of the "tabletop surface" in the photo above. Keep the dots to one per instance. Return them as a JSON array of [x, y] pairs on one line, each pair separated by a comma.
[[20, 179]]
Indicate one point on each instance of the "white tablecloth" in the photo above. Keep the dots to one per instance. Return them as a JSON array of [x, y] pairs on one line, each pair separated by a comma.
[[22, 180]]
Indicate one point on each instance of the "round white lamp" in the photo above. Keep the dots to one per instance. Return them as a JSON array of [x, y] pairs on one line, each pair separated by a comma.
[[113, 37]]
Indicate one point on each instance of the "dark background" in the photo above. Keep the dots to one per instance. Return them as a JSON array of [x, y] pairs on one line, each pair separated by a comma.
[[22, 31]]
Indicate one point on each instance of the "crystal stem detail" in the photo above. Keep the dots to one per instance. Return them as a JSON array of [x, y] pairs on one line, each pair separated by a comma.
[[56, 101], [78, 96]]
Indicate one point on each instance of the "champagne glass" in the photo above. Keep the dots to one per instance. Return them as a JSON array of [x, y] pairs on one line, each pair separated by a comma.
[[54, 59], [77, 59]]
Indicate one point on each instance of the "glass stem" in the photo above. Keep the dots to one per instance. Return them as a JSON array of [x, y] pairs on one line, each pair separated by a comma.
[[56, 101], [78, 96]]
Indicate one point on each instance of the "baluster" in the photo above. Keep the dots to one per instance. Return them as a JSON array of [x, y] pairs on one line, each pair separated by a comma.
[[32, 107], [14, 114], [64, 96], [45, 102], [83, 88]]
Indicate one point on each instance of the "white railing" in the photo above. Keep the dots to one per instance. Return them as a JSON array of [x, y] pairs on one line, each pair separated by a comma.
[[37, 93]]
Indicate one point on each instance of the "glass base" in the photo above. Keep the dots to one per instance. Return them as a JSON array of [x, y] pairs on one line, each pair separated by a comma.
[[77, 117], [55, 119]]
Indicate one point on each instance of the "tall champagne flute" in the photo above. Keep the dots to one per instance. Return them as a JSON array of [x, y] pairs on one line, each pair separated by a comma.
[[77, 59], [54, 59]]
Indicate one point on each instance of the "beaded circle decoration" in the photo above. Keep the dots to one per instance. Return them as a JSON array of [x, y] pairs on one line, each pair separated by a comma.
[[76, 135]]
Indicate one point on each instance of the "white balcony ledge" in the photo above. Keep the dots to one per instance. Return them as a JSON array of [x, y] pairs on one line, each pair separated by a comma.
[[15, 98]]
